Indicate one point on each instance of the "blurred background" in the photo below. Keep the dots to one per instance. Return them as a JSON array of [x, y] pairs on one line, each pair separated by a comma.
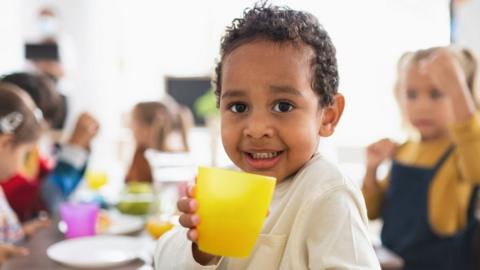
[[116, 53]]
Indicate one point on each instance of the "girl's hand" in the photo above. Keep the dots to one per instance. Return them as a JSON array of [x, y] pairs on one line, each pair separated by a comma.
[[444, 69], [190, 220], [7, 251], [446, 73], [379, 152]]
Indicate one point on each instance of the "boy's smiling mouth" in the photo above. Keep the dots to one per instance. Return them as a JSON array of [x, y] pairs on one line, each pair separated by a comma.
[[263, 155], [262, 160]]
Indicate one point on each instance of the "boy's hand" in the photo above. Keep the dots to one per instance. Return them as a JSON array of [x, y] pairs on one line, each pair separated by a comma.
[[379, 152], [85, 129], [7, 251], [190, 220]]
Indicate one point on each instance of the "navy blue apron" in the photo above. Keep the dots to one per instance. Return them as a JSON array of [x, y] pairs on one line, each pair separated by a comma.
[[407, 230]]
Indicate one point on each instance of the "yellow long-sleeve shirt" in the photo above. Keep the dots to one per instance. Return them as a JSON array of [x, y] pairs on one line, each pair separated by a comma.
[[451, 189]]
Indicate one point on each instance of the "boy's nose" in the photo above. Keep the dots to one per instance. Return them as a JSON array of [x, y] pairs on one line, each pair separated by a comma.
[[258, 126]]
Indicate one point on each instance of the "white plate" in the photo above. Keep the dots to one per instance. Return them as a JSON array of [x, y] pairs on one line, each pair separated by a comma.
[[96, 252], [124, 224]]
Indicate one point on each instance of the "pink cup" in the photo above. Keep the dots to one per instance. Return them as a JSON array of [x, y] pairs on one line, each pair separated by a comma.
[[81, 219]]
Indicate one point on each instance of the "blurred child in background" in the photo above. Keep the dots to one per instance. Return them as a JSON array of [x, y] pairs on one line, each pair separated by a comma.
[[20, 127], [27, 191], [427, 201], [162, 126]]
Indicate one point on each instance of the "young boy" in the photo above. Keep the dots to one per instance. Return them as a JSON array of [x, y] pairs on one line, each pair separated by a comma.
[[277, 92]]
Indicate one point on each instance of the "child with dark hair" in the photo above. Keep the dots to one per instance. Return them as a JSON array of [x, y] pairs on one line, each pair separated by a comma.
[[42, 90], [154, 125], [27, 192], [276, 86], [20, 127]]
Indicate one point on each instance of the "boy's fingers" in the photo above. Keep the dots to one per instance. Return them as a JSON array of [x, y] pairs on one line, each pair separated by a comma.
[[192, 235], [187, 205], [189, 221]]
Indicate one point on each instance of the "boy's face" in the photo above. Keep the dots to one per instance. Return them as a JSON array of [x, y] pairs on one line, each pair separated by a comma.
[[271, 118]]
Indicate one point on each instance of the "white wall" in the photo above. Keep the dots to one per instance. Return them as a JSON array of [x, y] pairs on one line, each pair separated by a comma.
[[467, 22], [11, 41], [124, 48]]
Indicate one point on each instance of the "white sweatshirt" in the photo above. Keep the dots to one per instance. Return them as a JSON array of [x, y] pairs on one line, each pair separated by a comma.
[[317, 220]]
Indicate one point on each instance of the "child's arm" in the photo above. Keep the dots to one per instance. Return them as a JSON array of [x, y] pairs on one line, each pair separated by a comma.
[[176, 251], [8, 250], [372, 189], [446, 73], [85, 130], [71, 163], [32, 227], [466, 136]]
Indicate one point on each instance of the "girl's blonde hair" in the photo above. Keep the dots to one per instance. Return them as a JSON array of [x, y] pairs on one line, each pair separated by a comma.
[[465, 57]]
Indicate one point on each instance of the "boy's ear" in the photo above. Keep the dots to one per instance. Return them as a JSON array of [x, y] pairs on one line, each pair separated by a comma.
[[331, 115]]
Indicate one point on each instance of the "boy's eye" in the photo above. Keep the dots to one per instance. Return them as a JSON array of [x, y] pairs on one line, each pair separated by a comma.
[[435, 94], [238, 108], [283, 107]]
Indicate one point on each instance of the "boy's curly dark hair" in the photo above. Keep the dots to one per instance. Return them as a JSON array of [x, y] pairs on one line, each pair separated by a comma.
[[282, 24]]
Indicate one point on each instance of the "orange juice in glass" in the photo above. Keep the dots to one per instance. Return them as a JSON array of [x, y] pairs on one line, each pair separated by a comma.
[[157, 226], [232, 208]]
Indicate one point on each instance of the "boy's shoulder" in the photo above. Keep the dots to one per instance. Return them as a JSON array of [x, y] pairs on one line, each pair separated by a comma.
[[319, 176]]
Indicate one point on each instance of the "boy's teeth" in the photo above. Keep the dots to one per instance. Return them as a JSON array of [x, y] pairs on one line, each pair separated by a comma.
[[264, 155]]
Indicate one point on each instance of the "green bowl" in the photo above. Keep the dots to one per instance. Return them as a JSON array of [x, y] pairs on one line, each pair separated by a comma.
[[135, 204]]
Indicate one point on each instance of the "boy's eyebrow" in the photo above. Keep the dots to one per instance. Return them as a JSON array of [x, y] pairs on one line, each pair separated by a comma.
[[285, 89], [233, 93], [276, 89]]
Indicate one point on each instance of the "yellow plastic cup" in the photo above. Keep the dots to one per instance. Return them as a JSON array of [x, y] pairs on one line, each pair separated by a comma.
[[232, 208]]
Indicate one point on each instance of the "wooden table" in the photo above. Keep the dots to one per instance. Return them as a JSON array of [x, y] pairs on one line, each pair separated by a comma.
[[38, 260]]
